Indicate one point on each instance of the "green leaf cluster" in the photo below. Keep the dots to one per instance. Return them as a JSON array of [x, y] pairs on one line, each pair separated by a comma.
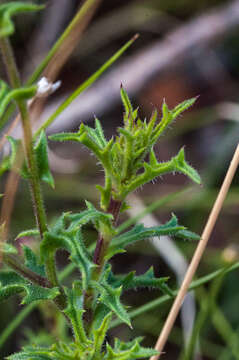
[[92, 299], [121, 351], [124, 158], [105, 289], [12, 284]]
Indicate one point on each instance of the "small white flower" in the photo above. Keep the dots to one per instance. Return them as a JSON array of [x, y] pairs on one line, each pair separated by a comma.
[[46, 88]]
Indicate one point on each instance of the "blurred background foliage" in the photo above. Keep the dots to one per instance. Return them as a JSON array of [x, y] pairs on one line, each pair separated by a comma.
[[154, 68]]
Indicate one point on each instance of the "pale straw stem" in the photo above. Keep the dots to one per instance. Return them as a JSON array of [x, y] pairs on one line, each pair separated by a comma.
[[197, 255]]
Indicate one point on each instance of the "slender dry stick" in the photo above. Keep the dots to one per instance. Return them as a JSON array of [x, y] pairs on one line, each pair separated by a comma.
[[197, 255]]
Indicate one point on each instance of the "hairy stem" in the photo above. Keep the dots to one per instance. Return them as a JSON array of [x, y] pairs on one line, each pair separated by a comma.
[[50, 265], [98, 258], [34, 180], [101, 245], [14, 263]]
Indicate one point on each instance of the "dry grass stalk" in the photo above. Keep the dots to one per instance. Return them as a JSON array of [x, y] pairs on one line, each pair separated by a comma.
[[197, 255]]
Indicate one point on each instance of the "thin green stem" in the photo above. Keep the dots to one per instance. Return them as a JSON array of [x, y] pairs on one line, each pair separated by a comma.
[[50, 265], [14, 263], [98, 258], [207, 299], [224, 329], [34, 180]]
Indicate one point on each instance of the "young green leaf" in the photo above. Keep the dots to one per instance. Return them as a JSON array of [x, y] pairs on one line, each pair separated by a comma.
[[7, 95], [180, 165], [131, 281], [183, 106], [129, 351], [12, 284], [129, 115], [110, 297], [9, 9], [72, 241], [75, 312], [28, 233], [99, 335], [139, 232], [41, 152], [33, 353], [31, 261]]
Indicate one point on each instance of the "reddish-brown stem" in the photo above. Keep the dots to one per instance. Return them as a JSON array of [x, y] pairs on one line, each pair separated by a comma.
[[98, 259], [13, 262], [114, 209]]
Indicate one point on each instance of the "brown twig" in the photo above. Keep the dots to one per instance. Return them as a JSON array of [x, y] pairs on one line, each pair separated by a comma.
[[198, 254], [14, 263]]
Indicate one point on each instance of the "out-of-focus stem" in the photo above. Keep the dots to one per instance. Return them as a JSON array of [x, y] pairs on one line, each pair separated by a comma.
[[34, 180]]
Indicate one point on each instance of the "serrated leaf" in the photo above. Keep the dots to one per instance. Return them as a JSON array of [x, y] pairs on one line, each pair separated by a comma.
[[99, 335], [73, 243], [31, 261], [10, 9], [32, 353], [66, 234], [28, 233], [75, 311], [179, 163], [64, 136], [110, 297], [36, 293], [97, 134], [131, 281], [15, 158], [127, 106], [139, 232], [9, 278], [132, 352], [41, 152], [121, 345], [16, 148], [91, 215], [183, 106], [100, 312], [12, 284]]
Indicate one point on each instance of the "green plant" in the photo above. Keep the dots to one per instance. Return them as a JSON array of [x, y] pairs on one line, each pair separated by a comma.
[[129, 162]]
